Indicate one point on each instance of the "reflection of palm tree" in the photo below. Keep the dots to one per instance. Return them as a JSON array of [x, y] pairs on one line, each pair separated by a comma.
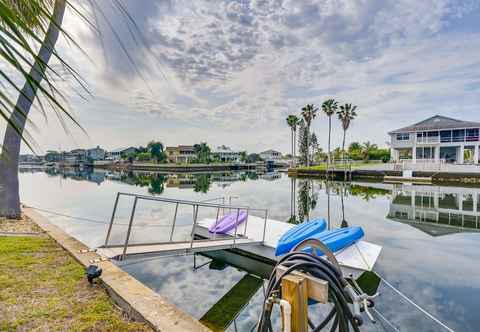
[[344, 222], [304, 200], [202, 183], [327, 190], [156, 184]]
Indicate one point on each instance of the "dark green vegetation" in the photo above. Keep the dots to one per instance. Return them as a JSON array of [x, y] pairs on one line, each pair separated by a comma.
[[44, 288], [221, 315]]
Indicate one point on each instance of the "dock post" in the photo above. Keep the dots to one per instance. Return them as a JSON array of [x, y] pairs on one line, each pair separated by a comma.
[[246, 221], [236, 226], [195, 215], [265, 226], [295, 292], [111, 219], [129, 227], [174, 220]]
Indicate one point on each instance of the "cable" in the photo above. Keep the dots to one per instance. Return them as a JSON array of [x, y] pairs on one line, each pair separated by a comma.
[[342, 316], [95, 221]]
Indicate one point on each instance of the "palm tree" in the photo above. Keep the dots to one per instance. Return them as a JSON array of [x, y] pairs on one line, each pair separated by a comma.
[[293, 121], [366, 148], [346, 115], [9, 191], [309, 112], [329, 107]]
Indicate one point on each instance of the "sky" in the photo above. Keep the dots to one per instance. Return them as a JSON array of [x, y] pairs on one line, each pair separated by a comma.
[[229, 72]]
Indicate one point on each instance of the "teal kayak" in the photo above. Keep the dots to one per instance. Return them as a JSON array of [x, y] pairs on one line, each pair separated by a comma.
[[299, 233]]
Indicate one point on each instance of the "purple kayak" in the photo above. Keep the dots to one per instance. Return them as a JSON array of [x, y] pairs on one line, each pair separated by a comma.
[[228, 222]]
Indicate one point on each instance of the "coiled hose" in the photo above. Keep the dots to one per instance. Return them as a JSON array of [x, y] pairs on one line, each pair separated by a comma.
[[342, 316]]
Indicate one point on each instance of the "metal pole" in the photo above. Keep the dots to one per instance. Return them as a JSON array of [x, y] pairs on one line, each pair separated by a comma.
[[236, 226], [216, 222], [195, 215], [246, 221], [265, 226], [111, 219], [174, 220], [130, 227]]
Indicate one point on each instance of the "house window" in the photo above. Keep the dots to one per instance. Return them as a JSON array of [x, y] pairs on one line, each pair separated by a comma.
[[458, 135], [471, 135], [403, 137], [426, 152], [445, 136]]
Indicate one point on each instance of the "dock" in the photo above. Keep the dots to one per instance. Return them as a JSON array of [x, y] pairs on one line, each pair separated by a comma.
[[256, 237]]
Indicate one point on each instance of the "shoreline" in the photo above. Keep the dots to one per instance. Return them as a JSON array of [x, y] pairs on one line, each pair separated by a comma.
[[437, 177]]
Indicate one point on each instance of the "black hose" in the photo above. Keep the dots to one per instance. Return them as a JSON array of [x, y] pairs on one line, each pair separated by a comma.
[[342, 316]]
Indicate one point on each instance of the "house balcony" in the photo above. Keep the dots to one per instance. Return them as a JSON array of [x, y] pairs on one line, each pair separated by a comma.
[[428, 140]]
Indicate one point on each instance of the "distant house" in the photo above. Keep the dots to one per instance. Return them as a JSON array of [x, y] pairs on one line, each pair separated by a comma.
[[96, 153], [118, 153], [226, 154], [29, 158], [180, 154], [270, 155], [53, 156], [436, 139], [76, 155]]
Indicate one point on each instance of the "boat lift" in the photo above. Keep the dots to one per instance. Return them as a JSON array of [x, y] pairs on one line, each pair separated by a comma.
[[196, 243]]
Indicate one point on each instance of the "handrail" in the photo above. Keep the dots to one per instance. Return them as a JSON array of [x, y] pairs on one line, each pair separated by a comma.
[[177, 202]]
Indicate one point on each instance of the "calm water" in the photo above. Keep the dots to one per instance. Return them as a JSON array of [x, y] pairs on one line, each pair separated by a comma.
[[428, 233]]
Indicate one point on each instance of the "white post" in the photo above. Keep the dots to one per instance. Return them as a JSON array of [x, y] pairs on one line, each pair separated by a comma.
[[475, 155], [437, 154], [460, 157], [414, 154]]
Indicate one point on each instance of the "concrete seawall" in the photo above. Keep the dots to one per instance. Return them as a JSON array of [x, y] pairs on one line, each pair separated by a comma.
[[443, 178], [137, 300]]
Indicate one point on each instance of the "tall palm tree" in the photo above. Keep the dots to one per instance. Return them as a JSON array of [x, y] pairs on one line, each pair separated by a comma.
[[9, 191], [329, 107], [309, 112], [346, 114], [293, 121]]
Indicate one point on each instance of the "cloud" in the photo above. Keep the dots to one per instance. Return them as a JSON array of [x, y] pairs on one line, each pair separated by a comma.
[[237, 64]]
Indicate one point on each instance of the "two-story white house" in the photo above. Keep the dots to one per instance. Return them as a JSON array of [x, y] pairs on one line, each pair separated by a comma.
[[270, 155], [437, 139]]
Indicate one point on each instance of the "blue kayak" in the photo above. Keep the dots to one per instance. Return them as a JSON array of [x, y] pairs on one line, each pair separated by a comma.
[[338, 239], [299, 233]]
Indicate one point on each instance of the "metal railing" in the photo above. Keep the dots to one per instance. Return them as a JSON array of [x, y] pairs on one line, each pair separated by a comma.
[[178, 202]]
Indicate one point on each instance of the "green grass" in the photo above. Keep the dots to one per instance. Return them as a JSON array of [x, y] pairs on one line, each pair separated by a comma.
[[42, 288]]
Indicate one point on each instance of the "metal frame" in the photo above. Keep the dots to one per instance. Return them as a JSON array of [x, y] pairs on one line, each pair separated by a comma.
[[177, 202]]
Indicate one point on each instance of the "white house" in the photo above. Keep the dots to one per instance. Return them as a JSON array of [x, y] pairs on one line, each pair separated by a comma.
[[270, 155], [226, 154], [437, 139], [96, 153]]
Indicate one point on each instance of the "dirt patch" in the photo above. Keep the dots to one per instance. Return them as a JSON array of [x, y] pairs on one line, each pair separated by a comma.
[[21, 226]]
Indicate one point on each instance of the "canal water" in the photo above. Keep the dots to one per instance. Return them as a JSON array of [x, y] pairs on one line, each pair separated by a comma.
[[430, 237]]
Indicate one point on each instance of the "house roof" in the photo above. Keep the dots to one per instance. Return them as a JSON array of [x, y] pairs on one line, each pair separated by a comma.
[[437, 122]]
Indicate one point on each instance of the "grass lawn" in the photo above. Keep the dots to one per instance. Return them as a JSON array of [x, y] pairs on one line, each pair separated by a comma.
[[42, 288]]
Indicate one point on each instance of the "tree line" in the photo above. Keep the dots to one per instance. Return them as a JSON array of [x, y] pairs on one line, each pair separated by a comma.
[[307, 141]]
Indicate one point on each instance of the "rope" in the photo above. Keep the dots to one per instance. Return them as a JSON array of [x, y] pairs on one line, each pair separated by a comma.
[[429, 315], [95, 221]]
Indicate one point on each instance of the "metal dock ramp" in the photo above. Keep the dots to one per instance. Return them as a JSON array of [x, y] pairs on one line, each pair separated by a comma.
[[196, 243]]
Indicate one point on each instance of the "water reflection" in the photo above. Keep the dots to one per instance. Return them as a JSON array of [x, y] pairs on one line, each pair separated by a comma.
[[436, 210]]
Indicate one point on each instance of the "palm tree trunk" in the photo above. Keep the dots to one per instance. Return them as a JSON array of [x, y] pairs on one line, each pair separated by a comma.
[[329, 136], [9, 190], [308, 146], [294, 147], [343, 156]]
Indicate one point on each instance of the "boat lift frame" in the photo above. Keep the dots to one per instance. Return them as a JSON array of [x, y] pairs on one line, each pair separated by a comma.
[[177, 202]]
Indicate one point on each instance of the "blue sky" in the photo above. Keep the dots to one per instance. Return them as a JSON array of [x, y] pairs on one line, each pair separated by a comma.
[[229, 72]]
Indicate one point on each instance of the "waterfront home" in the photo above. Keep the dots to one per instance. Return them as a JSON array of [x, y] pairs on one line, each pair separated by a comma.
[[180, 154], [435, 140], [96, 153], [118, 153], [76, 155], [270, 155], [226, 154]]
